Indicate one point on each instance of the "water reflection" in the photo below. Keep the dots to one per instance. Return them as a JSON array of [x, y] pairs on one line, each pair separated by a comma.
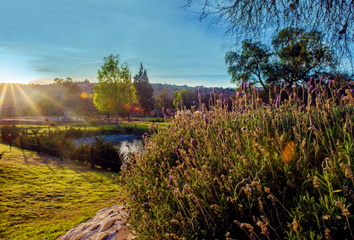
[[130, 146]]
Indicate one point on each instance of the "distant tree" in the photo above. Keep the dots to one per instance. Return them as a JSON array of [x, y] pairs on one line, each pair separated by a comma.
[[163, 99], [114, 88], [246, 19], [188, 98], [296, 57], [144, 90], [45, 105], [72, 88]]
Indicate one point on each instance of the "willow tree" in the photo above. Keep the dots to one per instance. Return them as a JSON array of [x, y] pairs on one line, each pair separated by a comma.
[[114, 89]]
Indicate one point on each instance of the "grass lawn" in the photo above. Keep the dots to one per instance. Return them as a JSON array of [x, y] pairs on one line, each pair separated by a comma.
[[140, 126], [43, 198]]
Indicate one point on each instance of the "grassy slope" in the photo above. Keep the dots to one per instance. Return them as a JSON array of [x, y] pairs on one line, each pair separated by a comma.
[[42, 198]]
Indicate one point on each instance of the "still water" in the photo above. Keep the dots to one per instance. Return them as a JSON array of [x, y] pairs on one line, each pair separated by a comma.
[[130, 145]]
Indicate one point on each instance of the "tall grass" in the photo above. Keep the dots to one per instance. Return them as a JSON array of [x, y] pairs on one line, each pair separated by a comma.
[[277, 171]]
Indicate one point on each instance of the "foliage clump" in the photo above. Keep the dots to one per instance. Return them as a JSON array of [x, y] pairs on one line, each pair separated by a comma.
[[278, 171]]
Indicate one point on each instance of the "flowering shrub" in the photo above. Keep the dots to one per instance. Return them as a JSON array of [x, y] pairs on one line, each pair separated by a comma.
[[278, 171]]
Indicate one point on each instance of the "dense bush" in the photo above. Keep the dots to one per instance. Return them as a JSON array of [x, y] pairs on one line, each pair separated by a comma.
[[9, 129], [128, 130], [278, 171], [107, 151], [94, 122]]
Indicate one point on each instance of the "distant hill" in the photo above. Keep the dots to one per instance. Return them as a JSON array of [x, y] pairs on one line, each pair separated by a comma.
[[16, 98]]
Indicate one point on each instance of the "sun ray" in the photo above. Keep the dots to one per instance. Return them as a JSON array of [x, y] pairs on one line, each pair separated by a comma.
[[2, 97], [44, 96], [29, 101], [14, 99]]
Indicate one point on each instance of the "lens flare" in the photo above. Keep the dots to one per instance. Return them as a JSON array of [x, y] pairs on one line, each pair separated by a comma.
[[288, 151], [84, 95]]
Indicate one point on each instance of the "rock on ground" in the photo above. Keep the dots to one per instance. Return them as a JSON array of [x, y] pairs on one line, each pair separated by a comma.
[[107, 224]]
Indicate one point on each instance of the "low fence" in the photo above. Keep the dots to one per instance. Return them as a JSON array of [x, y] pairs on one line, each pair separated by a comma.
[[60, 151]]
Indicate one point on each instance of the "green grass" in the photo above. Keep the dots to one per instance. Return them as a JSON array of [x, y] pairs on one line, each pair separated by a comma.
[[141, 127], [43, 198]]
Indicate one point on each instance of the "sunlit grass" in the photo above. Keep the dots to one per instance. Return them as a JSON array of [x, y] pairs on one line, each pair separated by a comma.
[[144, 126], [42, 198]]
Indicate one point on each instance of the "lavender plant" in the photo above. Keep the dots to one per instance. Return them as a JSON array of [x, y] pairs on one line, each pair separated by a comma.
[[282, 170]]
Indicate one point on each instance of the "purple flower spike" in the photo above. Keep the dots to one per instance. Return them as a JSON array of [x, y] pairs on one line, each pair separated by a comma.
[[282, 84], [171, 180], [330, 83], [133, 198], [291, 94], [310, 89], [243, 129], [221, 94], [177, 104], [270, 84], [192, 142], [155, 164], [198, 89], [264, 115], [219, 134], [310, 82], [221, 130], [181, 101], [182, 141], [164, 159], [343, 95]]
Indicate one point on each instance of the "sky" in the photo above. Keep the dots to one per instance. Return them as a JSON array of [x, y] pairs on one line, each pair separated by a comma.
[[41, 40]]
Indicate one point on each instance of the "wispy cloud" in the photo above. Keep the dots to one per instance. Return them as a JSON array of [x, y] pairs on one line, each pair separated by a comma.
[[70, 38]]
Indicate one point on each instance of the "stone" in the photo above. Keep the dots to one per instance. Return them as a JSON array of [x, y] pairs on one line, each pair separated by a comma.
[[107, 224]]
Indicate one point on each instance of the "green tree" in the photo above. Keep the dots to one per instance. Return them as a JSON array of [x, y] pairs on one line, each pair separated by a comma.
[[163, 99], [144, 90], [301, 55], [114, 88], [251, 64], [71, 88], [188, 98], [45, 104], [296, 57]]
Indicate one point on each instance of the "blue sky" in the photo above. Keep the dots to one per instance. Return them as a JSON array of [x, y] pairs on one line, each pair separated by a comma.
[[41, 40]]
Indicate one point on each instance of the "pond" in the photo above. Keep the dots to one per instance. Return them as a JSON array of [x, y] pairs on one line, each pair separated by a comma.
[[130, 145]]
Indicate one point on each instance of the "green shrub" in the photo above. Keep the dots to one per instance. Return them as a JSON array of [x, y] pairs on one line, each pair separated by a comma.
[[83, 153], [52, 124], [9, 129], [129, 130], [107, 151], [283, 171], [74, 133], [94, 122]]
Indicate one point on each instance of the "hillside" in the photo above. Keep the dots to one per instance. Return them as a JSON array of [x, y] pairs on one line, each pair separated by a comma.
[[18, 99]]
